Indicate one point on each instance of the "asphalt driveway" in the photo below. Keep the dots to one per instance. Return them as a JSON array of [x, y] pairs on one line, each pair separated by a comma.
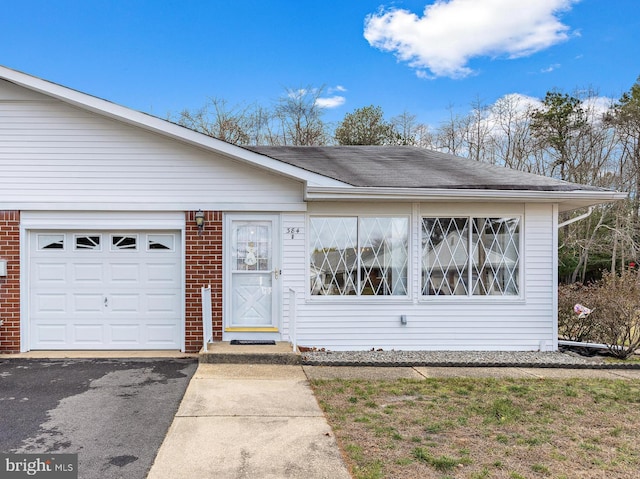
[[113, 413]]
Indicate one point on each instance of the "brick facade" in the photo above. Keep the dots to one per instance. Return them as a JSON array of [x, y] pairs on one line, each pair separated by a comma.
[[10, 284], [203, 260], [203, 264]]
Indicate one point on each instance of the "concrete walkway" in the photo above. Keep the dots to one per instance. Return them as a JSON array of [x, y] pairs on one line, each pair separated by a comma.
[[423, 372], [249, 421]]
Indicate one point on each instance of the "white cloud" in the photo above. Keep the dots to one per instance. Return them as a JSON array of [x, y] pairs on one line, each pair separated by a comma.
[[550, 68], [597, 106], [451, 32], [331, 102]]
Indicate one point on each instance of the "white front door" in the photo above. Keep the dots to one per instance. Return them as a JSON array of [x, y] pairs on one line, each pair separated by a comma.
[[253, 276]]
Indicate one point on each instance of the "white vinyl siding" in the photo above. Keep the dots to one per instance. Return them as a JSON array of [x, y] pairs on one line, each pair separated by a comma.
[[440, 323], [54, 156], [294, 270]]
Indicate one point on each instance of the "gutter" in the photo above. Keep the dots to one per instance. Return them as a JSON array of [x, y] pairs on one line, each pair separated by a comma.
[[569, 199]]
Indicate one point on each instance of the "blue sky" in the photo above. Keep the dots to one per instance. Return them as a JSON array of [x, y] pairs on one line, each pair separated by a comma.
[[161, 56]]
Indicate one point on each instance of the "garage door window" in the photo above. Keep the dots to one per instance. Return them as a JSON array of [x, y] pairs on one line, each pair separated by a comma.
[[129, 242], [50, 242], [87, 242], [160, 242]]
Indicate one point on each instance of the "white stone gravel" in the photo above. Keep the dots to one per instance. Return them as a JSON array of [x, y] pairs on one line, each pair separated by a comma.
[[452, 358]]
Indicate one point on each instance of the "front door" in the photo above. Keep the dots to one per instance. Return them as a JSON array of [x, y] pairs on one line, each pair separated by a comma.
[[253, 276]]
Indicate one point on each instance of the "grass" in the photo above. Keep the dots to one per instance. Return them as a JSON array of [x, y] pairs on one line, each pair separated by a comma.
[[485, 428]]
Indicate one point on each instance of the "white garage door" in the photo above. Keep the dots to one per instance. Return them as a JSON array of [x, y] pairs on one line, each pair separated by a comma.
[[105, 290]]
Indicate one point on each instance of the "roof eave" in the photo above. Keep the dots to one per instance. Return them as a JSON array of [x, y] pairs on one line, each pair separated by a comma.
[[567, 200]]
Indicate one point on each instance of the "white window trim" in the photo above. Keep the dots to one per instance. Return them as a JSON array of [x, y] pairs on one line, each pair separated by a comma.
[[114, 248], [153, 250], [85, 235], [359, 299], [64, 242], [470, 298]]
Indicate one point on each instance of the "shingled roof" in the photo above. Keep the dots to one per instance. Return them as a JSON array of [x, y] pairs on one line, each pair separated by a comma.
[[410, 167]]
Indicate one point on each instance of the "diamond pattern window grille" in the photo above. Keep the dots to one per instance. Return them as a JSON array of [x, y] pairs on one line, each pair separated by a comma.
[[496, 256], [445, 256], [384, 256], [478, 256], [334, 259], [359, 256]]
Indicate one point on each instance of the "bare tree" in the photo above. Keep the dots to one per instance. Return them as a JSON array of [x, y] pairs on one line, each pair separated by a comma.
[[218, 120], [410, 132], [449, 135], [511, 133], [300, 117]]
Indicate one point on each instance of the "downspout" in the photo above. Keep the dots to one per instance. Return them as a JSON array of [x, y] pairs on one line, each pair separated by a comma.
[[558, 342], [577, 218]]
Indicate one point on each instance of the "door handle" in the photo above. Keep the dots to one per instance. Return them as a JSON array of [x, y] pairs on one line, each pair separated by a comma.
[[277, 273], [106, 302]]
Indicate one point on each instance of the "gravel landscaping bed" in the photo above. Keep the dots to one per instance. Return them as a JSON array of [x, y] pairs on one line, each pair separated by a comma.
[[460, 359]]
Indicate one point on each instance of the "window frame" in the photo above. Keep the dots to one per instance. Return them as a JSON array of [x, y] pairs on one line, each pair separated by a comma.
[[358, 297], [48, 246], [470, 269], [115, 249], [160, 250], [98, 247]]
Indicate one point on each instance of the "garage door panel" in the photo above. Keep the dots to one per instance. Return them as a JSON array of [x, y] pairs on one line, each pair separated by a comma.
[[125, 303], [105, 290], [125, 334], [125, 273], [51, 334], [161, 335], [87, 273], [51, 303], [87, 335], [163, 274], [50, 273], [87, 303], [162, 302]]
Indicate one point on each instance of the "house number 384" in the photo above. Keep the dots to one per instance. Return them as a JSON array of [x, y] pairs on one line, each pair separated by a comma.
[[292, 232]]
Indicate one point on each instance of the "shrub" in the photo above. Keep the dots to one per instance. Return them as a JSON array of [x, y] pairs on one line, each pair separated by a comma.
[[617, 311], [570, 325]]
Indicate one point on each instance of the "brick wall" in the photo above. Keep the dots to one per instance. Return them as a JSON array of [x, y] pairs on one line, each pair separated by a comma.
[[10, 284], [203, 260]]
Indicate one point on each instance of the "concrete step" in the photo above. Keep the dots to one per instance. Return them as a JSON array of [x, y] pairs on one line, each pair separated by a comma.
[[223, 352]]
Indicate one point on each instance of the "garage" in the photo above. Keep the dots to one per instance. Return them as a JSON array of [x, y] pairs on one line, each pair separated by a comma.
[[104, 289]]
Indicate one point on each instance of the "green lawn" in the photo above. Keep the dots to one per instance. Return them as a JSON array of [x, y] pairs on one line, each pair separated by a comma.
[[485, 428]]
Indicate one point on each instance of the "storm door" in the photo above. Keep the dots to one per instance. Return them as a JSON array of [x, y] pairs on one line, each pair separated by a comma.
[[253, 273]]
